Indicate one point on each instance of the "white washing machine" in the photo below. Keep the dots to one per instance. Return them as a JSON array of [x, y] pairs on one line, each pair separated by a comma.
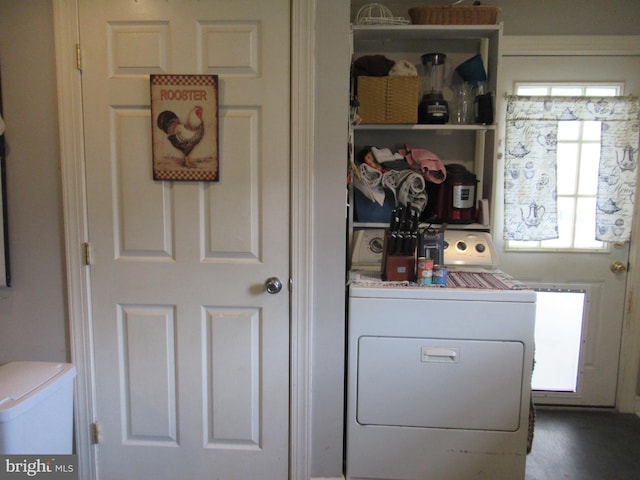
[[439, 379]]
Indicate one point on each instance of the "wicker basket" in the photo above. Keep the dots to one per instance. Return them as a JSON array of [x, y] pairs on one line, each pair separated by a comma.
[[388, 99], [472, 15]]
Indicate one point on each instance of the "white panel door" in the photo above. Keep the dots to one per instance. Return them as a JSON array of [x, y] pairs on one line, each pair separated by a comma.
[[191, 354], [601, 333]]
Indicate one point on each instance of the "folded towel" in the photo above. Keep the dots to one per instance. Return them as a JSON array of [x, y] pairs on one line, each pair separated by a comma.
[[383, 159], [383, 155], [369, 181], [380, 169], [407, 186]]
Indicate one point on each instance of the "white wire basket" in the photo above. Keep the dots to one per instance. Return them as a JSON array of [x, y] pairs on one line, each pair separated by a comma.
[[378, 14]]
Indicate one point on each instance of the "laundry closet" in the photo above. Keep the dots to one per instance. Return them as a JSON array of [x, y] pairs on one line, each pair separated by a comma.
[[439, 342]]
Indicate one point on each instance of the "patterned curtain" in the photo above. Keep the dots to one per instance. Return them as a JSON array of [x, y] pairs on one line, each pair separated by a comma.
[[531, 211]]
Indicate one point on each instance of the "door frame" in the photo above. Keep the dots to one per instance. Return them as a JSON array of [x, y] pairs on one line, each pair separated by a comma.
[[627, 399], [71, 136]]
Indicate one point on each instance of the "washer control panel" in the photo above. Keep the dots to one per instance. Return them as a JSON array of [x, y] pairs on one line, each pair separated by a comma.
[[461, 247], [469, 248]]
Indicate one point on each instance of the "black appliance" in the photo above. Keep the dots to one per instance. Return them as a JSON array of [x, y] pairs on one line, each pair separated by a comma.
[[433, 108]]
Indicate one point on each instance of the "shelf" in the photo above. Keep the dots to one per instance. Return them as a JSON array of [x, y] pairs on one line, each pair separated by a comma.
[[450, 226], [463, 39], [444, 127], [393, 33]]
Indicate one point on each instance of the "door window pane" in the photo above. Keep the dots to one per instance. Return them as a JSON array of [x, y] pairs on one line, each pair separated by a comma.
[[567, 168], [585, 224], [568, 131], [567, 91], [602, 91], [566, 210], [591, 131], [589, 166], [533, 90]]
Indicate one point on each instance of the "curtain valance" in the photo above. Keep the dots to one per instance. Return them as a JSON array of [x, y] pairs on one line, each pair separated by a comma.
[[531, 211]]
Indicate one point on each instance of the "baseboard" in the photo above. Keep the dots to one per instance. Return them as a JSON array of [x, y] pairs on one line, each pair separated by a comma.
[[327, 478], [638, 405]]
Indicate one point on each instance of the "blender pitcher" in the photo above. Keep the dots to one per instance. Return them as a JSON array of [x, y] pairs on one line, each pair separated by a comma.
[[433, 108]]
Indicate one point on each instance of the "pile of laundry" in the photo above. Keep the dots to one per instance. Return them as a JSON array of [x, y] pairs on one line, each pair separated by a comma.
[[403, 173], [381, 66]]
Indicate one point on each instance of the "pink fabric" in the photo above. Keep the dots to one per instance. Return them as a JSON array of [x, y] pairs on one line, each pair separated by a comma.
[[426, 162]]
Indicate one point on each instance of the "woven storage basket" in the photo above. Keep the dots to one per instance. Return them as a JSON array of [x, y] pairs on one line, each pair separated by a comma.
[[388, 99], [472, 15]]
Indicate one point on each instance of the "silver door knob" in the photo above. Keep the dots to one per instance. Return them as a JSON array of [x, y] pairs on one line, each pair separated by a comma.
[[272, 285], [618, 267]]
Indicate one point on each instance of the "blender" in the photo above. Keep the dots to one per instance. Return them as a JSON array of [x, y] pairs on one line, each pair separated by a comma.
[[433, 108]]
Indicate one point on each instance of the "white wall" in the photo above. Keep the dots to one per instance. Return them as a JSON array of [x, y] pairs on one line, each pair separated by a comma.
[[329, 182], [33, 313]]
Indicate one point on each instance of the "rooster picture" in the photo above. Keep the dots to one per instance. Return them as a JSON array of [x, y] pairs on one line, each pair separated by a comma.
[[184, 127], [183, 135]]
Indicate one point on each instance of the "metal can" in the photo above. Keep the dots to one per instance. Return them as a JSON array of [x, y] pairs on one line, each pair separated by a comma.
[[440, 273], [425, 267]]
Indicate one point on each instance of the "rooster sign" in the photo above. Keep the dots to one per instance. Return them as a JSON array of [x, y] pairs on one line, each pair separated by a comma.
[[184, 117]]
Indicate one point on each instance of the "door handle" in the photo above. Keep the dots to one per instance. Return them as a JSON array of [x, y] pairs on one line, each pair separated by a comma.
[[273, 285], [618, 267], [439, 355]]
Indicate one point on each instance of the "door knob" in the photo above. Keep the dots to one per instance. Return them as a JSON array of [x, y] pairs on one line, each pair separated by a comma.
[[272, 285], [618, 267]]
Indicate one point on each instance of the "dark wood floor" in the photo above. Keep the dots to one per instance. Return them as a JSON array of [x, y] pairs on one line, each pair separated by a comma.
[[584, 445]]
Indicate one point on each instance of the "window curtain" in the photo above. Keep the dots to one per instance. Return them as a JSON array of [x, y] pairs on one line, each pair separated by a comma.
[[531, 211]]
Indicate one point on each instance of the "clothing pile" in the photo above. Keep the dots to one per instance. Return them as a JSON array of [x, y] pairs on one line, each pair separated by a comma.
[[403, 173], [381, 66]]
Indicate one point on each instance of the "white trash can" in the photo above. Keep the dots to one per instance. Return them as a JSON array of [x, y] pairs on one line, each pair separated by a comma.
[[36, 408]]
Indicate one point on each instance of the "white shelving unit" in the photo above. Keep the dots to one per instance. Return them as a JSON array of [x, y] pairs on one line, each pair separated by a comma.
[[472, 145]]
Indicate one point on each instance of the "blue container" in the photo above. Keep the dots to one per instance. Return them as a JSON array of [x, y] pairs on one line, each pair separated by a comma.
[[472, 70], [370, 211]]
